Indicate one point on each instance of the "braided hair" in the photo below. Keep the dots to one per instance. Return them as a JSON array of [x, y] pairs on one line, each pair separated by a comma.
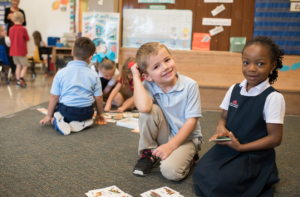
[[276, 54]]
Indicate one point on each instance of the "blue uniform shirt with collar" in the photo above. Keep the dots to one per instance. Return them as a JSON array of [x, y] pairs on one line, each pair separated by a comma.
[[180, 103], [76, 84]]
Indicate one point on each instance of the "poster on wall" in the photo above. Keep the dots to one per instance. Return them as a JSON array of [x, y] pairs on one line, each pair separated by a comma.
[[103, 29], [172, 28], [3, 4]]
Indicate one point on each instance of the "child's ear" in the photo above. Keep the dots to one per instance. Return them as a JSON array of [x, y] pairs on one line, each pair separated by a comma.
[[90, 59], [147, 77], [274, 64]]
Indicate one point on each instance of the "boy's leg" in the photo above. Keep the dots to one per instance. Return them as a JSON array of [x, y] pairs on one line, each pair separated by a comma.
[[60, 125], [18, 71], [77, 117], [154, 131], [177, 165]]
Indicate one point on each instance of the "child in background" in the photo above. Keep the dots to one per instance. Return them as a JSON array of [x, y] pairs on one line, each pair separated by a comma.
[[74, 90], [5, 41], [18, 37], [105, 66], [122, 95], [38, 42], [253, 115], [169, 105]]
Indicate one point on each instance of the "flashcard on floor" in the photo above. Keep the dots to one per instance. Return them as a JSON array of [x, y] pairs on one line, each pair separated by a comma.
[[112, 191], [43, 110], [161, 192]]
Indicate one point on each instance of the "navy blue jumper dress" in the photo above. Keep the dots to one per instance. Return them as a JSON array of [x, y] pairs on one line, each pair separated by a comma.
[[223, 171]]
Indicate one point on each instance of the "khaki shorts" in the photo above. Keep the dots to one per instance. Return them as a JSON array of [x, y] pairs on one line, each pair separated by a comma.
[[20, 60], [126, 92]]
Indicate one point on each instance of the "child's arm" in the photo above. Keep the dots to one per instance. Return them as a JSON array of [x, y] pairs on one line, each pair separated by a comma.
[[128, 104], [142, 100], [165, 150], [106, 90], [112, 95], [99, 107], [52, 104], [272, 140], [221, 130]]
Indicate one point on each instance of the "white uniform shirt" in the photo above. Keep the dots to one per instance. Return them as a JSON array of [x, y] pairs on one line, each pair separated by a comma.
[[114, 78], [274, 108]]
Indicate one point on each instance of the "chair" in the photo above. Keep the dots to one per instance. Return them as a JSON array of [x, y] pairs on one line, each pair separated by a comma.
[[35, 59], [4, 63]]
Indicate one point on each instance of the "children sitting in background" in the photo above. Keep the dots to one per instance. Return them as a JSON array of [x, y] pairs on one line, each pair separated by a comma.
[[253, 115], [122, 95], [18, 50], [74, 90], [169, 105], [105, 66]]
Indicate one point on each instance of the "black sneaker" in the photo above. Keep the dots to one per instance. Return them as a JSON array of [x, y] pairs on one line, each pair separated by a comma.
[[145, 163]]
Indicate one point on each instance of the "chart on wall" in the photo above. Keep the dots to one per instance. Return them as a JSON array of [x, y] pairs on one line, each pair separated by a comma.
[[173, 28], [3, 4], [103, 29]]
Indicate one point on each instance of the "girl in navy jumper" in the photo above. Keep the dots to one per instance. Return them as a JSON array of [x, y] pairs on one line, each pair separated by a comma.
[[253, 114]]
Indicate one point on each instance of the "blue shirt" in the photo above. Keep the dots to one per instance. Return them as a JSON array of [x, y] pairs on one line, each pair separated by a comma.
[[180, 103], [76, 84]]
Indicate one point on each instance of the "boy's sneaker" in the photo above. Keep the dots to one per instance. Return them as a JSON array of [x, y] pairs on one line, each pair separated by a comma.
[[79, 126], [18, 84], [145, 163], [60, 125], [23, 84]]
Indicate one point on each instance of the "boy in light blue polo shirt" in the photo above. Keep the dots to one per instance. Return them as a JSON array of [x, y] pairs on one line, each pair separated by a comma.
[[169, 105], [74, 90]]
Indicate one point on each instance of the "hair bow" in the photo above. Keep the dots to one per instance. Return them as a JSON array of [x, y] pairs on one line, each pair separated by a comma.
[[130, 64], [100, 56]]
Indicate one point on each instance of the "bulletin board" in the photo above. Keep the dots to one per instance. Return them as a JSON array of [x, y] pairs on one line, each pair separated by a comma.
[[3, 4], [172, 28], [103, 29]]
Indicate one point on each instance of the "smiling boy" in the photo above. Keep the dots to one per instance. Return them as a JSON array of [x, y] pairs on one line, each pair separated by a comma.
[[169, 105]]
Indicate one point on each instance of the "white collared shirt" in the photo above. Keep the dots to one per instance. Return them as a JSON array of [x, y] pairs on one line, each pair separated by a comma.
[[274, 109]]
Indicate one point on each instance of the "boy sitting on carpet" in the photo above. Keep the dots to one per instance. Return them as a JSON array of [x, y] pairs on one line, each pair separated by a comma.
[[74, 90], [169, 105]]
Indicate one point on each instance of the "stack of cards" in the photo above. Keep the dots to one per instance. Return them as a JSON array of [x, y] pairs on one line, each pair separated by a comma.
[[161, 192], [112, 191]]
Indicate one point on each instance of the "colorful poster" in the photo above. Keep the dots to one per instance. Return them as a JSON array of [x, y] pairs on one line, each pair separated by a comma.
[[103, 29], [172, 28]]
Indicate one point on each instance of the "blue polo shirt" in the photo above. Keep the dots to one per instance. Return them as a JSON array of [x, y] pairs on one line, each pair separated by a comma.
[[180, 103], [76, 84]]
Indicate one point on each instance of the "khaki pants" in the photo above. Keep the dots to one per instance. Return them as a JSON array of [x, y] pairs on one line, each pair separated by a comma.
[[155, 131]]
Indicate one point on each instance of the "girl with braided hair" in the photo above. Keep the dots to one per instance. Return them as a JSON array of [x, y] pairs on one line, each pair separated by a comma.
[[252, 117]]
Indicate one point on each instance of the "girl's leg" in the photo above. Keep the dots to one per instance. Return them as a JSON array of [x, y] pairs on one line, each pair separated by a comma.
[[118, 100]]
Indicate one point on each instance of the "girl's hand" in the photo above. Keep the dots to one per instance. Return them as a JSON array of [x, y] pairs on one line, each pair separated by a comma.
[[100, 119], [220, 132], [135, 70], [45, 120], [120, 109], [107, 107], [163, 151], [234, 144]]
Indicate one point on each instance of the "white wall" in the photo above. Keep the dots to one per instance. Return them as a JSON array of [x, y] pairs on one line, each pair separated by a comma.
[[40, 16]]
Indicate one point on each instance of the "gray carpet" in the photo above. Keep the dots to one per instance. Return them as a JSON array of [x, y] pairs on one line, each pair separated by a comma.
[[39, 161]]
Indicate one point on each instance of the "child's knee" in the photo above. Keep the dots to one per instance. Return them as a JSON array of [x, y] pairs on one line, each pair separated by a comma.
[[172, 172], [153, 113]]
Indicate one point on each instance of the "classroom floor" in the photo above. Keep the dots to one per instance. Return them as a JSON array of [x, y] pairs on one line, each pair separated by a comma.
[[14, 99]]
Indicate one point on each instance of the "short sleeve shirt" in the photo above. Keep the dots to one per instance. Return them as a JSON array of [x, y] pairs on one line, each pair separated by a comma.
[[180, 103], [274, 108], [18, 38], [76, 84]]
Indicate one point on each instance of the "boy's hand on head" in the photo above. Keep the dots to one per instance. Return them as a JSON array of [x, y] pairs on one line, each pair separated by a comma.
[[45, 120], [234, 143], [100, 120], [163, 151], [135, 70]]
